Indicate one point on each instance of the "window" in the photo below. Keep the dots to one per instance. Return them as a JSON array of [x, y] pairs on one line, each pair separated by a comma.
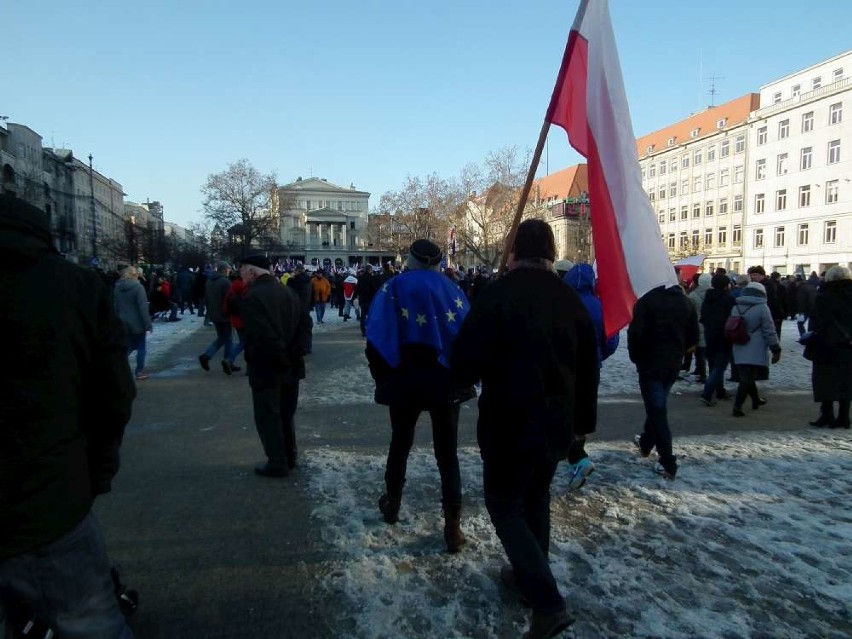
[[649, 148], [697, 157], [781, 199], [684, 240], [723, 235], [695, 238], [834, 152], [759, 203], [804, 196], [816, 83], [832, 191], [723, 206], [835, 113], [662, 192], [783, 129], [711, 181], [684, 212], [652, 196], [672, 189], [708, 209], [663, 167], [806, 158], [797, 89], [837, 75], [725, 149], [760, 169], [684, 162], [829, 232], [758, 238], [739, 143], [720, 124], [672, 215], [781, 164], [661, 217], [694, 133], [807, 121], [697, 183], [738, 204], [643, 175], [711, 152], [737, 235], [802, 235], [671, 241], [652, 170], [738, 174], [670, 142], [779, 236], [708, 237], [776, 97], [724, 177], [761, 136], [684, 187], [673, 166], [696, 210]]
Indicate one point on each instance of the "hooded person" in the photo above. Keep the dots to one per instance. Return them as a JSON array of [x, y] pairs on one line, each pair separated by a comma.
[[696, 296], [414, 319], [530, 340]]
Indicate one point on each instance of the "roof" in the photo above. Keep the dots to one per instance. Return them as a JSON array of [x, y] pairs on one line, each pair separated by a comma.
[[318, 184], [733, 113], [570, 182]]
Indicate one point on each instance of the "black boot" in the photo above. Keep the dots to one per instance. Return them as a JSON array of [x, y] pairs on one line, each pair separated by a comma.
[[389, 507], [842, 420], [453, 536], [826, 416]]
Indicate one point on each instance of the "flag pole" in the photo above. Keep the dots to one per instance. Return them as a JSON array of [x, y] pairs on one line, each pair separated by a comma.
[[525, 193]]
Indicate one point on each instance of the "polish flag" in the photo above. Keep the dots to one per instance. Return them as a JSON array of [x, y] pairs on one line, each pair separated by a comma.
[[590, 103]]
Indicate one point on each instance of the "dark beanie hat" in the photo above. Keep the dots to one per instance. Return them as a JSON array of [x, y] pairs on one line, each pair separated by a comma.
[[260, 261], [720, 281], [534, 239], [426, 252]]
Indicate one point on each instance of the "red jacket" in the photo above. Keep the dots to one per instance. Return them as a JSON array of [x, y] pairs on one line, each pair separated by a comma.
[[233, 299]]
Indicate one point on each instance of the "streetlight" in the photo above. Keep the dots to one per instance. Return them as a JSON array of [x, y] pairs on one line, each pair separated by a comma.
[[94, 220]]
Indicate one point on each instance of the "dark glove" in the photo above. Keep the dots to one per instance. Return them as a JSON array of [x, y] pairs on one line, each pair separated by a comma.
[[776, 357]]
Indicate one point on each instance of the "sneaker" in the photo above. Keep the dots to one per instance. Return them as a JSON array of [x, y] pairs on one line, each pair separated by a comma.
[[545, 625], [226, 366], [142, 375], [666, 473], [204, 361], [579, 472], [706, 402], [637, 441]]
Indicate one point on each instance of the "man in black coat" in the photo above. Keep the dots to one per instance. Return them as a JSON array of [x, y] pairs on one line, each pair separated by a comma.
[[368, 286], [715, 310], [530, 340], [64, 404], [300, 283], [276, 333], [663, 329]]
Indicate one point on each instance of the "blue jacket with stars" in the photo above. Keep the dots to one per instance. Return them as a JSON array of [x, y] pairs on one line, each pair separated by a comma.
[[412, 324]]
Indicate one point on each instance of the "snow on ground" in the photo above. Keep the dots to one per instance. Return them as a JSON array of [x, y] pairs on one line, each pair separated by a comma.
[[754, 542]]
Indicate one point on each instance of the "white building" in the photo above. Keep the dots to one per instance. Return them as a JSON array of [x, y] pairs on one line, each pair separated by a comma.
[[799, 212]]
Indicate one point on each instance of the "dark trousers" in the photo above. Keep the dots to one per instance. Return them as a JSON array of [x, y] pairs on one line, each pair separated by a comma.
[[700, 361], [517, 496], [445, 435], [718, 360], [655, 386], [365, 310], [748, 384], [274, 409]]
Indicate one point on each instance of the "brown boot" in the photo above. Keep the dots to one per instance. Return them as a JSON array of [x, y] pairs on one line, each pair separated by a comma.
[[453, 536]]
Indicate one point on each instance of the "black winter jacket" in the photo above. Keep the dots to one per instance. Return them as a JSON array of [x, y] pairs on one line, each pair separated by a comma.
[[664, 327], [714, 313]]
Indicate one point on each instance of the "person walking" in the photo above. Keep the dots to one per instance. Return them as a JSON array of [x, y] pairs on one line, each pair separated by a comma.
[[131, 306], [664, 327], [183, 285], [715, 311], [233, 309], [751, 358], [321, 292], [348, 290], [530, 340], [300, 283], [276, 333], [831, 321], [368, 286], [413, 322], [214, 299], [64, 406], [696, 296]]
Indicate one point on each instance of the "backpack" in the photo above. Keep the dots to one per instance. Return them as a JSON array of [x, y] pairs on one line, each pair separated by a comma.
[[735, 329]]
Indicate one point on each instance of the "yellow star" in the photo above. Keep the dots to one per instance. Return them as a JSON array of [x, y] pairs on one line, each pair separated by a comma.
[[405, 313], [451, 317], [459, 303], [421, 320]]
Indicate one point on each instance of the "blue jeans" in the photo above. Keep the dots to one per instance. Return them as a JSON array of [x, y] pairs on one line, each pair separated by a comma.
[[67, 584], [655, 386], [718, 361], [517, 496], [136, 342], [223, 339], [239, 347], [319, 309]]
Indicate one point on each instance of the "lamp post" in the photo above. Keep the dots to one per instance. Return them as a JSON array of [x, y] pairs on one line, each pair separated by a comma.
[[92, 207]]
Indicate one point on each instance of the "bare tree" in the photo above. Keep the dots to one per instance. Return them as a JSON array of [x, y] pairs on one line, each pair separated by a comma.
[[421, 209], [243, 201]]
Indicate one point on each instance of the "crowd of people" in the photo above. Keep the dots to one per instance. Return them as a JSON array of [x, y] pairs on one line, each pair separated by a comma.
[[532, 340]]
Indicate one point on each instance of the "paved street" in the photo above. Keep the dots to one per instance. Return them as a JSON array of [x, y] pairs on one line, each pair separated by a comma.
[[216, 551]]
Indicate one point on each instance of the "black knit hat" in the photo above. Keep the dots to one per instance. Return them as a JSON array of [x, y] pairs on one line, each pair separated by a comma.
[[534, 239], [260, 261], [426, 252], [720, 281]]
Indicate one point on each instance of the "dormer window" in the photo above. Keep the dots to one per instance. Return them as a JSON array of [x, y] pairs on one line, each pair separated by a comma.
[[694, 132], [721, 123], [670, 141], [649, 148]]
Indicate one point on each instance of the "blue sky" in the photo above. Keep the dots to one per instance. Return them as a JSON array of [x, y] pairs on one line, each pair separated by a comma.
[[165, 92]]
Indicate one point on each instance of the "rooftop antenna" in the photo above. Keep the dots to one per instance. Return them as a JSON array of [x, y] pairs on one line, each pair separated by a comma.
[[712, 90]]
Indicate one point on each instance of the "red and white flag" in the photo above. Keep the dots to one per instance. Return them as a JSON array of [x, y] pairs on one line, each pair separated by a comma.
[[590, 103]]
